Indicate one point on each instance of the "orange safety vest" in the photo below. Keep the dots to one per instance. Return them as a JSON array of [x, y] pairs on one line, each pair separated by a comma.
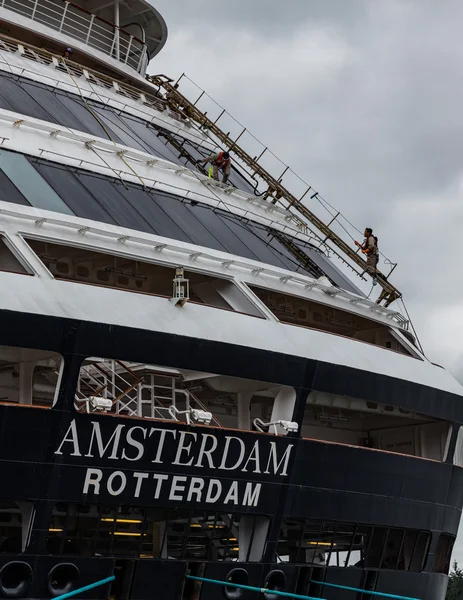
[[221, 161]]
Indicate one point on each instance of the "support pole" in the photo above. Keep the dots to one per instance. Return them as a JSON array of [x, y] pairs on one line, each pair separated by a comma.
[[117, 22]]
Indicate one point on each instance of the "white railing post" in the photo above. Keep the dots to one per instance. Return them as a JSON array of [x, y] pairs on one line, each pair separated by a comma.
[[142, 58], [111, 52], [117, 33], [92, 18], [128, 49], [65, 10], [34, 10]]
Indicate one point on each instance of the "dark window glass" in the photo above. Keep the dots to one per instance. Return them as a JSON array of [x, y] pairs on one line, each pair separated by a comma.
[[443, 553], [15, 519], [8, 261], [117, 124], [17, 99], [90, 121], [9, 192], [57, 111], [67, 185], [89, 530], [214, 221], [254, 239], [148, 203], [106, 193], [190, 225], [331, 543], [148, 135]]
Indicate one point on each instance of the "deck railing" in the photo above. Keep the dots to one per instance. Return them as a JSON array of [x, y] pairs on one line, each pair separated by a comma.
[[76, 23]]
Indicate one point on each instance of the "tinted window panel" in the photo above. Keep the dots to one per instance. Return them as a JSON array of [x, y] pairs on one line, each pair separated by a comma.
[[214, 222], [56, 110], [148, 135], [148, 204], [105, 191], [90, 122], [9, 192], [189, 224], [116, 124], [77, 197], [30, 184], [250, 238], [20, 100]]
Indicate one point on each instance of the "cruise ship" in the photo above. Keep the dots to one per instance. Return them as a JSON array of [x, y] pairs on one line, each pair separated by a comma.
[[202, 395]]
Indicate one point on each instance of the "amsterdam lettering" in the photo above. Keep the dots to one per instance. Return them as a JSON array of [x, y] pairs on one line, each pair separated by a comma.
[[152, 446]]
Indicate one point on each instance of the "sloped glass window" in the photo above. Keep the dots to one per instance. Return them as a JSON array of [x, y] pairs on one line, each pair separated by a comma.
[[8, 261], [30, 183]]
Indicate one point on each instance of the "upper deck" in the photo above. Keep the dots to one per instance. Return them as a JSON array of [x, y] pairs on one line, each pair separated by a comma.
[[112, 36]]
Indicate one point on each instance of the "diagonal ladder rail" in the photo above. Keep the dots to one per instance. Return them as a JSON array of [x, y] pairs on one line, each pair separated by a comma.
[[276, 189]]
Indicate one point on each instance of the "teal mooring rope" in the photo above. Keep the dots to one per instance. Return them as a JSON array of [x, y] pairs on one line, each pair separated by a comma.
[[291, 595], [351, 589], [252, 588], [86, 588]]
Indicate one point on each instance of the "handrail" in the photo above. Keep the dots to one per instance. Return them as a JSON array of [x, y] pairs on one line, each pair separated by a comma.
[[290, 594], [86, 588], [121, 29], [89, 28], [277, 192]]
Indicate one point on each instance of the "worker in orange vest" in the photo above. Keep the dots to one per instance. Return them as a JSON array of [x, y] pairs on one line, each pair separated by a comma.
[[220, 161]]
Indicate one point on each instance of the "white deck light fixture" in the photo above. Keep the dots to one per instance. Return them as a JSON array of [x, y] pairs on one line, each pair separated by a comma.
[[181, 288], [202, 417], [289, 426]]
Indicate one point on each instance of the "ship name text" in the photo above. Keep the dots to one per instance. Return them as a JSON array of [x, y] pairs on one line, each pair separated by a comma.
[[161, 453]]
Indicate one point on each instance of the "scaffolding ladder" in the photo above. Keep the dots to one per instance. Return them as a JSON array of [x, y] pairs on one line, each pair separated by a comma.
[[277, 192]]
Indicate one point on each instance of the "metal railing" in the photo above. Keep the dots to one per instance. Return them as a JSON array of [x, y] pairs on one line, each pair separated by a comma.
[[133, 389], [77, 23]]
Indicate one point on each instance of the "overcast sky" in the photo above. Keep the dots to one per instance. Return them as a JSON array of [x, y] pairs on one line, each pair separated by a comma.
[[364, 99]]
